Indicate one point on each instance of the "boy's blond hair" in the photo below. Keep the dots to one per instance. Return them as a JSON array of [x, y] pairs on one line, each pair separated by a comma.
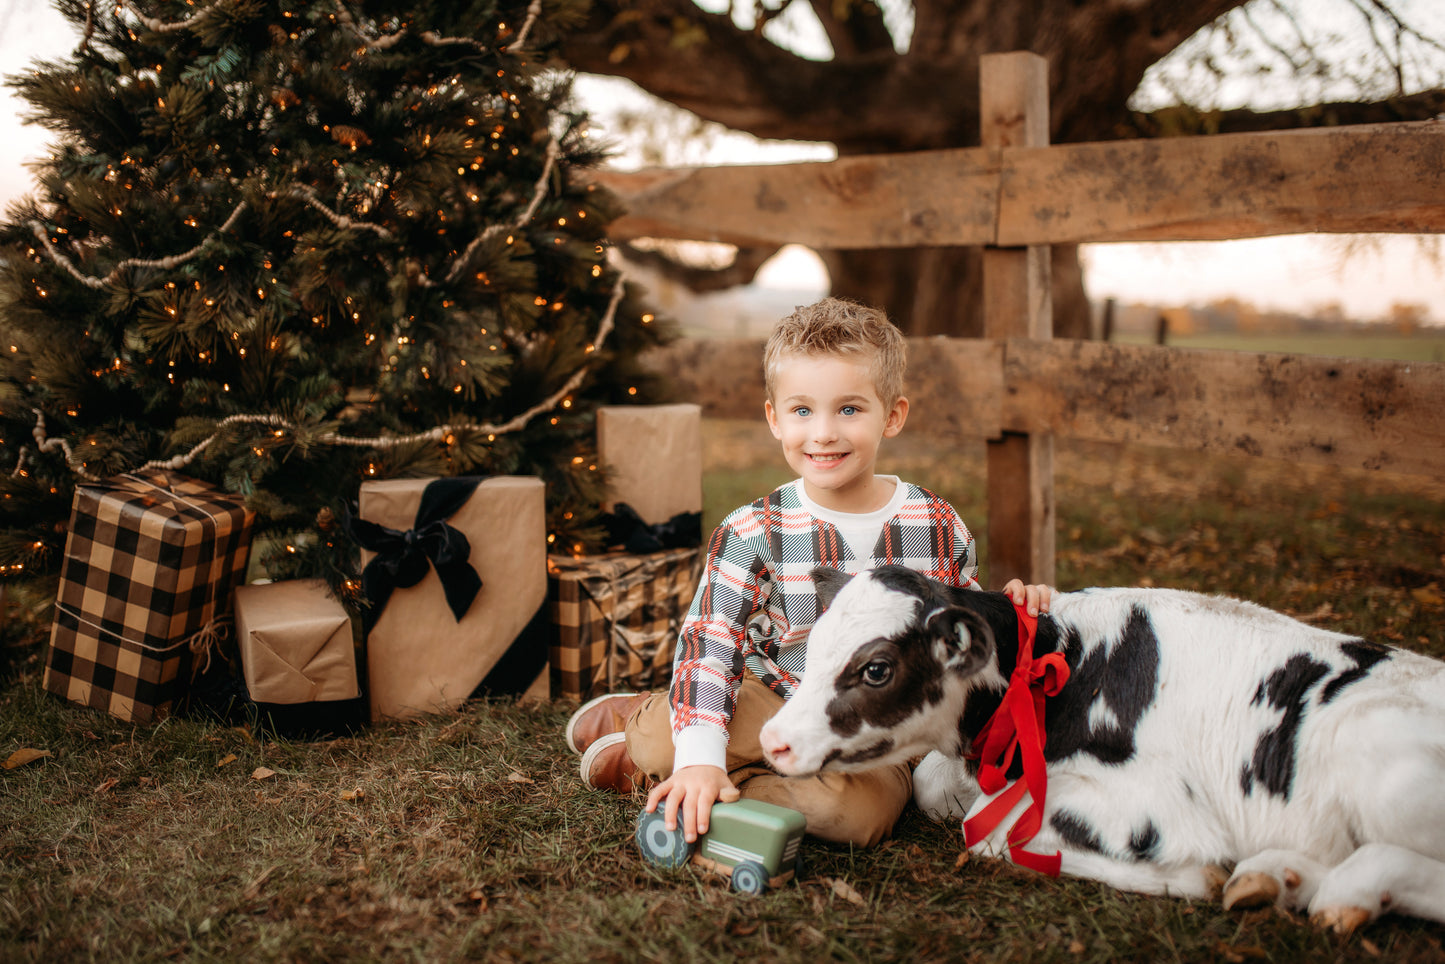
[[837, 326]]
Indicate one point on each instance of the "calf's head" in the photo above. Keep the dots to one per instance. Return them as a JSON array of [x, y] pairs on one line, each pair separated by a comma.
[[890, 663]]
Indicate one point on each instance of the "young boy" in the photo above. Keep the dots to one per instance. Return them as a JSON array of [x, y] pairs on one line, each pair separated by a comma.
[[834, 377]]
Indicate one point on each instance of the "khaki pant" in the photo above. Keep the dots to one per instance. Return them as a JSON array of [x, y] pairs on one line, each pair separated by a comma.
[[856, 808]]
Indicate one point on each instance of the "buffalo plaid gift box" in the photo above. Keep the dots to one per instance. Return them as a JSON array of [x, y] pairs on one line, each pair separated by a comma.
[[150, 563], [615, 619]]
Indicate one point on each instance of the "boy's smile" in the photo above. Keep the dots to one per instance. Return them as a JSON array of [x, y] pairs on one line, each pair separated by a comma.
[[830, 420]]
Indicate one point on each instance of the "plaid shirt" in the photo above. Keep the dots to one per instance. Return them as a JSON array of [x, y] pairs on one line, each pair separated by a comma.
[[756, 601]]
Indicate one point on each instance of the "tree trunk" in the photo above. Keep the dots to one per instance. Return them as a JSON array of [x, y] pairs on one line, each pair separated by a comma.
[[939, 291]]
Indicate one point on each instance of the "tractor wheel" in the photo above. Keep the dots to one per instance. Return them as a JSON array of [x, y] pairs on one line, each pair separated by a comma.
[[750, 878], [660, 847]]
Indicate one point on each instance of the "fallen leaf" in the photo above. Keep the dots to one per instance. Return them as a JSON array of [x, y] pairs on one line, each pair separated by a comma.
[[228, 758], [1428, 595], [846, 891], [245, 732], [357, 794], [23, 756], [262, 773], [962, 859], [1238, 953], [107, 785], [515, 777], [1369, 947], [1077, 947]]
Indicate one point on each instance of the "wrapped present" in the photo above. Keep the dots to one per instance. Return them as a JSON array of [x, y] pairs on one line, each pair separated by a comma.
[[454, 569], [298, 657], [150, 563], [615, 619], [653, 457]]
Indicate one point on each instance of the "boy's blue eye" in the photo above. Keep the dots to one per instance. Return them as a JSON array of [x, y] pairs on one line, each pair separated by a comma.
[[803, 410], [850, 410]]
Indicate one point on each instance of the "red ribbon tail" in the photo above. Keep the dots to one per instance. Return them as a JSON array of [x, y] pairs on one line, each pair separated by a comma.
[[981, 824], [1018, 726]]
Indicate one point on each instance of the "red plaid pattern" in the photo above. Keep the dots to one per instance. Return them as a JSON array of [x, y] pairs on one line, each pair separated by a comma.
[[756, 602]]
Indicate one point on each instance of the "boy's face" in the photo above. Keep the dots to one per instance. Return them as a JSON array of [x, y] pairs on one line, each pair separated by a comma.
[[828, 416]]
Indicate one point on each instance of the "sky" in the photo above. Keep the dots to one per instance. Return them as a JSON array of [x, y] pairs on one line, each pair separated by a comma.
[[1364, 275]]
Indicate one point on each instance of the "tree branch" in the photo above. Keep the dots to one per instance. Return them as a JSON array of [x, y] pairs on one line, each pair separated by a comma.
[[1185, 120], [855, 30], [703, 63]]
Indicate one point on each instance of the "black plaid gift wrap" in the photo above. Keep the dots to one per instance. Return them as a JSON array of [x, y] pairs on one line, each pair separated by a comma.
[[150, 563], [615, 619]]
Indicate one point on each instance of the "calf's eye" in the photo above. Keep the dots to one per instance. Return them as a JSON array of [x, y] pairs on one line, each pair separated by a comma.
[[877, 672]]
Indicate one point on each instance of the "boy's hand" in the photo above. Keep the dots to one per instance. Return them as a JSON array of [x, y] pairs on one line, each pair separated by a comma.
[[1034, 599], [691, 792]]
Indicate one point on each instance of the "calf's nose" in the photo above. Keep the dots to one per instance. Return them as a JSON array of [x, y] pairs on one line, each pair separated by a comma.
[[776, 751]]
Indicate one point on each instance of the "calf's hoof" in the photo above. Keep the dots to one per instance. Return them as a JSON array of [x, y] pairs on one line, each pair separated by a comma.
[[1251, 890], [1342, 920]]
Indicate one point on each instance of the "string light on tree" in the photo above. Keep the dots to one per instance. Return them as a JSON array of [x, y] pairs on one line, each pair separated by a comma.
[[202, 310]]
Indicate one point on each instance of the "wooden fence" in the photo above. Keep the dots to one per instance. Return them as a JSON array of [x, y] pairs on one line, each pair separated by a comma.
[[1015, 196]]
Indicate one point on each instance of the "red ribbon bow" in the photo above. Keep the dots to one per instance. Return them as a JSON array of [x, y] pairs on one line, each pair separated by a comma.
[[1018, 726]]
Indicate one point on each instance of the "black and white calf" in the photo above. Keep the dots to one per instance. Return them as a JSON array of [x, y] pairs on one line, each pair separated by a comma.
[[1195, 733]]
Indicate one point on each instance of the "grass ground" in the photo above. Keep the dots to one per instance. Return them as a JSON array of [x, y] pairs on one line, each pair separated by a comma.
[[469, 837]]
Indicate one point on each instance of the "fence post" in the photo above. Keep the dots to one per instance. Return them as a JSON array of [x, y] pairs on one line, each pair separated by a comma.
[[1017, 303]]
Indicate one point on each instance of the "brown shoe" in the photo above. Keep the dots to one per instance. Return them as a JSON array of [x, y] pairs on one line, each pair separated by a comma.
[[606, 766], [599, 717]]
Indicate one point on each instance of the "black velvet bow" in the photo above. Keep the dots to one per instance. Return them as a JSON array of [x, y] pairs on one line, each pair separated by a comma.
[[627, 529], [403, 558]]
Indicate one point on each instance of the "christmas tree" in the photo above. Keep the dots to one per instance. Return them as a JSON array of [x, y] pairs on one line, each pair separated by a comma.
[[288, 246]]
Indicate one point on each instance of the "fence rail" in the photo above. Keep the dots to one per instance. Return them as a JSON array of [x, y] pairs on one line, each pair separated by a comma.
[[1347, 412], [1368, 178], [1016, 196]]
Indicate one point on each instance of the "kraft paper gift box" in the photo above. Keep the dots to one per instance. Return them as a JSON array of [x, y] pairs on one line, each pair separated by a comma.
[[455, 570], [653, 458], [298, 657], [615, 619], [150, 563]]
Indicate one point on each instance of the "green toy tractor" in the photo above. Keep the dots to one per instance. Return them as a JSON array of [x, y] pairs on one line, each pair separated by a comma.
[[754, 843]]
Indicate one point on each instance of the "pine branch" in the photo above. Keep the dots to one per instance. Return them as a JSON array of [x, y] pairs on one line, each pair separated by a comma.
[[436, 434], [163, 264]]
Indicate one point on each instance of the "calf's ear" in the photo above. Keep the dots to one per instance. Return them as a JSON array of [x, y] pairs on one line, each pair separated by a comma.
[[965, 637], [827, 582]]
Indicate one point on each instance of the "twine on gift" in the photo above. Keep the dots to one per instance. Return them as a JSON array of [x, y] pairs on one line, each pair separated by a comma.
[[209, 638], [203, 641], [137, 643]]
